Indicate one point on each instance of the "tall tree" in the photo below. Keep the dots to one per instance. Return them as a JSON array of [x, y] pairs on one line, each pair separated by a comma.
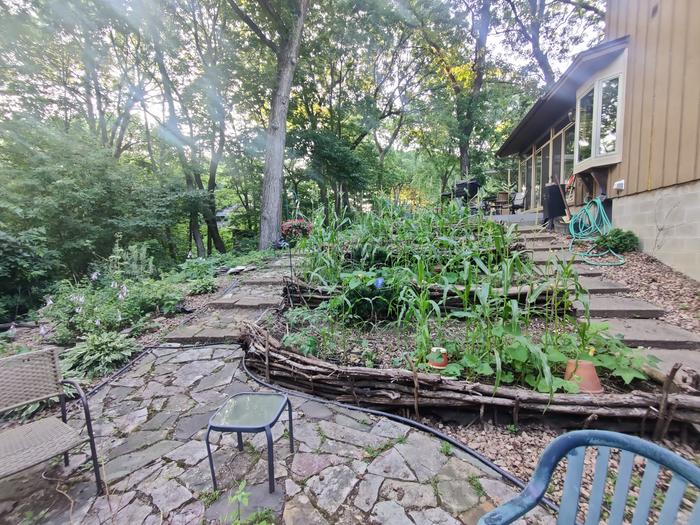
[[289, 26]]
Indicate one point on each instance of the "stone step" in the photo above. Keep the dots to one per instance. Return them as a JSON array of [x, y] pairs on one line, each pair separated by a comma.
[[583, 270], [653, 333], [620, 307], [670, 356], [238, 300], [204, 335], [537, 237], [546, 256], [544, 246], [530, 228], [597, 285]]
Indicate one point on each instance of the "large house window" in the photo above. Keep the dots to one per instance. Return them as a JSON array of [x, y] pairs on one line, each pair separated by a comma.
[[599, 106], [585, 126], [609, 94]]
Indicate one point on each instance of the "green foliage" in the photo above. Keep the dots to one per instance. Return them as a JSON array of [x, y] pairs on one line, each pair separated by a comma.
[[99, 354], [617, 240], [203, 286], [446, 448], [426, 271]]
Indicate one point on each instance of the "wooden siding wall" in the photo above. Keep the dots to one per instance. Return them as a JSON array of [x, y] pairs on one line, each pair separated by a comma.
[[661, 145]]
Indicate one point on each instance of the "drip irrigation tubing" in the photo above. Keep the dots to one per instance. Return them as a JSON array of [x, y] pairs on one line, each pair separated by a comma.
[[546, 502], [587, 225]]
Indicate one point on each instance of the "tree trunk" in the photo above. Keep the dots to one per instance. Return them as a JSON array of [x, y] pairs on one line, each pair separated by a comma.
[[271, 205]]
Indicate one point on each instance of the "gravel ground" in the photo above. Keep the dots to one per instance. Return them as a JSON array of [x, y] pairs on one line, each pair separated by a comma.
[[651, 280], [517, 450]]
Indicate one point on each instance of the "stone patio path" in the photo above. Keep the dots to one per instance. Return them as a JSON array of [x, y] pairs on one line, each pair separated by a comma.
[[348, 467]]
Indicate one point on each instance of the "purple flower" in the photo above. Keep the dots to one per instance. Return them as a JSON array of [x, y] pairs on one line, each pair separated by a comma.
[[379, 282]]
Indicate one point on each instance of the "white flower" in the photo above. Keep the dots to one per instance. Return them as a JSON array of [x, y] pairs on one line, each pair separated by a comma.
[[78, 310], [94, 276], [123, 291], [43, 330], [13, 330], [114, 284], [97, 322], [49, 301]]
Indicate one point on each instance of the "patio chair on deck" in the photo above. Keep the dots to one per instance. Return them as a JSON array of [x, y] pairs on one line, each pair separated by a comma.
[[30, 378], [573, 445], [518, 202]]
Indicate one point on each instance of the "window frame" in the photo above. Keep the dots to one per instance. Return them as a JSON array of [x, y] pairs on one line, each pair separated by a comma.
[[615, 70]]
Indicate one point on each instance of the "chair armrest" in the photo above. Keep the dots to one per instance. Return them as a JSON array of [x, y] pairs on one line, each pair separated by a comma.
[[83, 401], [512, 510]]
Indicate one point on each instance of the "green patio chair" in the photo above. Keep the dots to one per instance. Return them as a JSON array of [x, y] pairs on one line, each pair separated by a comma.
[[573, 445], [30, 378]]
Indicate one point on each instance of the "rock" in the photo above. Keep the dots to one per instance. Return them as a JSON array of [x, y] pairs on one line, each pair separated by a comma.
[[457, 495], [368, 492], [332, 486], [342, 419], [341, 449], [391, 465], [316, 410], [190, 453], [131, 421], [137, 441], [189, 426], [473, 515], [307, 465], [422, 453], [389, 429], [259, 498], [167, 494], [291, 488], [136, 512], [456, 468], [128, 463], [194, 371], [220, 378], [350, 435], [389, 513], [300, 511], [435, 516], [194, 354], [191, 514], [408, 494]]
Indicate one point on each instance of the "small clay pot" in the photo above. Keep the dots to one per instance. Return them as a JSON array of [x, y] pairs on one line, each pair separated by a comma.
[[442, 361], [583, 373]]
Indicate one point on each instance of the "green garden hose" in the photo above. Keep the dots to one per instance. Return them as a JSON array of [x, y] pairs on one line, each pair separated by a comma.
[[585, 226]]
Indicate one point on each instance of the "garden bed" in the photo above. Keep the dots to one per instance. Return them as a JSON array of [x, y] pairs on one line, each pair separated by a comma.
[[400, 388]]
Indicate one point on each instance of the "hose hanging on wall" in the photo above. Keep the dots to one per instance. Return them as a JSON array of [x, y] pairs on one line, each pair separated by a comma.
[[586, 225]]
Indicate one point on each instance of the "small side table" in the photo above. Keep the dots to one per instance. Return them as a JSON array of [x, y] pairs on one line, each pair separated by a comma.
[[251, 412]]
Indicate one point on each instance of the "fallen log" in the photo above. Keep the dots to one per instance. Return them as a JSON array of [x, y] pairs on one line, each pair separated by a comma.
[[267, 356]]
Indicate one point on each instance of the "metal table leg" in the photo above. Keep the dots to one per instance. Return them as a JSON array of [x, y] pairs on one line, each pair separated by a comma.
[[211, 459], [270, 460]]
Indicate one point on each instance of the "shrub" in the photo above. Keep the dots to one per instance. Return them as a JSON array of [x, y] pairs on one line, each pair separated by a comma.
[[202, 286], [99, 354], [295, 229], [618, 240]]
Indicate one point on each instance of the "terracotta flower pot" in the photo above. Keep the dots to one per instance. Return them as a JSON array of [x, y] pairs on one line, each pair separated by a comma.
[[439, 362], [583, 373]]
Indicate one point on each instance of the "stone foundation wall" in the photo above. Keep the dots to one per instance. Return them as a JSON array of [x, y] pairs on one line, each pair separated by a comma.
[[667, 222]]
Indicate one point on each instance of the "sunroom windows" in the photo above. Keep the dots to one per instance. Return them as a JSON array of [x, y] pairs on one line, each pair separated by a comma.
[[598, 129]]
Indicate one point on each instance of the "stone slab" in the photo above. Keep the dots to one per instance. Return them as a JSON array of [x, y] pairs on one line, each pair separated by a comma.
[[619, 307], [246, 301], [537, 237], [668, 357], [653, 333], [230, 334], [545, 245], [184, 334], [599, 285], [126, 464], [551, 255]]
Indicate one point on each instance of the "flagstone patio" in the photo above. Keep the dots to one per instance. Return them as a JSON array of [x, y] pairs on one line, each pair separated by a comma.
[[349, 467]]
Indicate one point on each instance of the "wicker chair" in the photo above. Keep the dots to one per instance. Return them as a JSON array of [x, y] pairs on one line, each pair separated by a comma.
[[29, 378]]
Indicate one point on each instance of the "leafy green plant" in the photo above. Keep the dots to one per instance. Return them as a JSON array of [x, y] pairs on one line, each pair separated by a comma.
[[99, 354], [203, 286], [446, 448], [618, 240]]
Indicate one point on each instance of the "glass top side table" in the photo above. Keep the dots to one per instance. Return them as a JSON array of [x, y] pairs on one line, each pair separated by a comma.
[[251, 412]]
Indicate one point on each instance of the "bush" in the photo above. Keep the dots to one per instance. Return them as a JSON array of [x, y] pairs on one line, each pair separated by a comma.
[[99, 354], [202, 286], [618, 240]]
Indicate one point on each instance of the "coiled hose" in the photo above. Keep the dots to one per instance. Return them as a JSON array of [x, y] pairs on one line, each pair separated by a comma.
[[586, 226]]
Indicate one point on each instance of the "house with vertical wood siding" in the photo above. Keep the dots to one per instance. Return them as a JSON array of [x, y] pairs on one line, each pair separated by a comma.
[[623, 123]]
